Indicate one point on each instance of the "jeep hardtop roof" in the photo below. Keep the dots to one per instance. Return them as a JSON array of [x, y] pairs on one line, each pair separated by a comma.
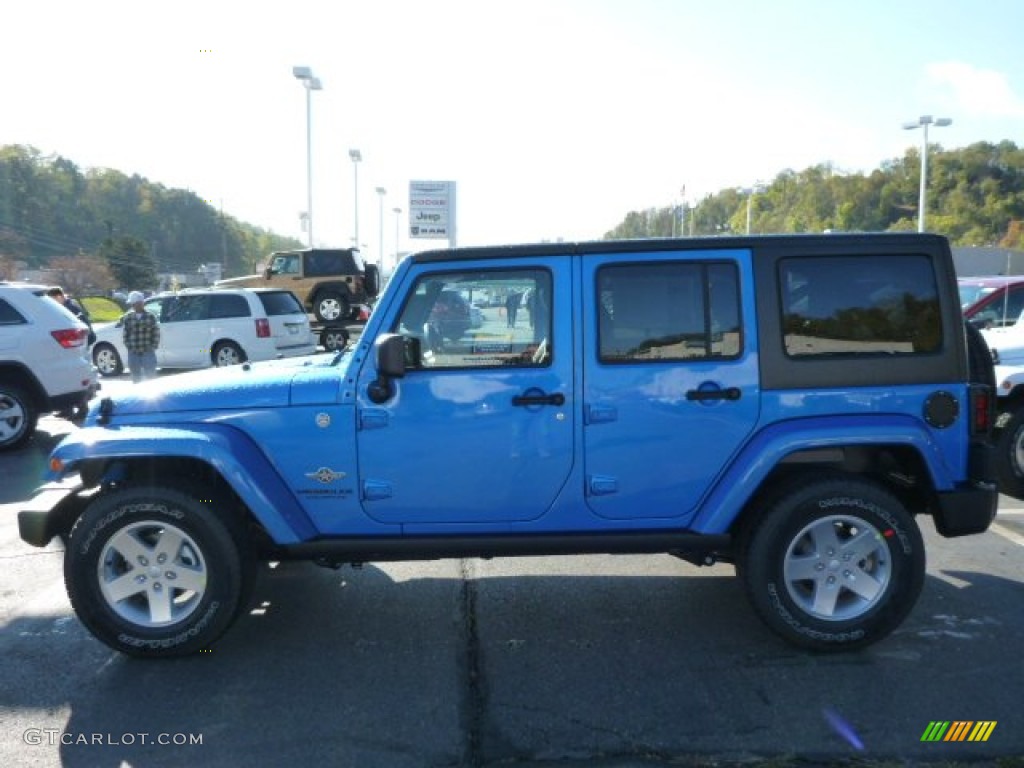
[[821, 244]]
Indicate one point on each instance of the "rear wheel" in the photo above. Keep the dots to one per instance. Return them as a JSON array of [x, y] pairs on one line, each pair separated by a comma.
[[18, 416], [227, 353], [331, 306], [834, 563], [152, 571], [106, 360]]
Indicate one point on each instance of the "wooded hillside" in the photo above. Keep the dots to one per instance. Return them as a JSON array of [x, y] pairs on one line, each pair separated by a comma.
[[975, 197]]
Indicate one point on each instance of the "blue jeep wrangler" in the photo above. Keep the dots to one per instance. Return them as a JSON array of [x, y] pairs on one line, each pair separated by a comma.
[[790, 404]]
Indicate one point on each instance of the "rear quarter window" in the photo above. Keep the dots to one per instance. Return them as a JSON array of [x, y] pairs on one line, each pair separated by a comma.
[[276, 303], [872, 305], [9, 315]]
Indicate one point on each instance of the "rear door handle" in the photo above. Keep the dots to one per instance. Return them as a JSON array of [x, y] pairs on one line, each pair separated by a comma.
[[700, 395]]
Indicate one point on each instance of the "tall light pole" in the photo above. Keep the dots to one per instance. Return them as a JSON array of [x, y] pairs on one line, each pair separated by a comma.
[[398, 219], [310, 83], [357, 158], [380, 195], [750, 192], [923, 122]]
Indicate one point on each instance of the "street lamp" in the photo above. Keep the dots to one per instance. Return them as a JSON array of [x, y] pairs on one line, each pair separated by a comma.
[[310, 83], [923, 122], [750, 192], [357, 158], [398, 219], [380, 194]]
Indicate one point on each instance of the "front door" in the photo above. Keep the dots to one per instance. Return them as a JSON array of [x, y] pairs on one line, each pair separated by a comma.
[[482, 430]]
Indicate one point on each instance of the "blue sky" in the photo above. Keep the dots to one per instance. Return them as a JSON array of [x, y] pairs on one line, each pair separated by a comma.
[[554, 117]]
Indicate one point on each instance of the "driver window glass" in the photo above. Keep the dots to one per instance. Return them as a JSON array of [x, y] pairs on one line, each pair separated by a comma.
[[481, 319]]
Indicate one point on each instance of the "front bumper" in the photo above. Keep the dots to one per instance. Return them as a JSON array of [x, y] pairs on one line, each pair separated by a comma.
[[50, 512]]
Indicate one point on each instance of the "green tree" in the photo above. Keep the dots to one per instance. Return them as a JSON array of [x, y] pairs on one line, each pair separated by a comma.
[[130, 262]]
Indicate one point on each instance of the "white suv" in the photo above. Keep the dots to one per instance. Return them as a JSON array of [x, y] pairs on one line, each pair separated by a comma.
[[214, 327], [44, 363]]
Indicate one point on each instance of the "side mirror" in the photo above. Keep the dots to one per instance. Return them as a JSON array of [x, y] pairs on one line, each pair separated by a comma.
[[390, 351]]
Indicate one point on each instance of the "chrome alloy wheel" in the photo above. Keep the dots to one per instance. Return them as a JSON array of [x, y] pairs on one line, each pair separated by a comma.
[[837, 568], [152, 574]]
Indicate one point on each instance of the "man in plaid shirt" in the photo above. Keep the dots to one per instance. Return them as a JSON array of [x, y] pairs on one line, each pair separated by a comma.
[[141, 338]]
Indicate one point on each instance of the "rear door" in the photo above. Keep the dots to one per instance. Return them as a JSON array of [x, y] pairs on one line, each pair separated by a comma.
[[184, 331], [671, 380], [482, 431], [289, 325]]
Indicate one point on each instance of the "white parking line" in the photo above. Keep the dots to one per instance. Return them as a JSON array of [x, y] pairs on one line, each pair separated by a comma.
[[1006, 533]]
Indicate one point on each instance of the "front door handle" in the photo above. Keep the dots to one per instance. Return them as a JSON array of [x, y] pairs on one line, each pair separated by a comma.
[[701, 395], [538, 397]]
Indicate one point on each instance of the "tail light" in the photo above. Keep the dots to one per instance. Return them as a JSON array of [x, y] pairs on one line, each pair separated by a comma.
[[263, 328], [71, 338], [983, 409]]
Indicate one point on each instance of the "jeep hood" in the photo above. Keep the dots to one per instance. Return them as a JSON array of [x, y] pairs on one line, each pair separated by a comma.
[[271, 384]]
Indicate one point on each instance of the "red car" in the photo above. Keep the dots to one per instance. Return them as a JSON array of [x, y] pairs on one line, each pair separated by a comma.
[[992, 302]]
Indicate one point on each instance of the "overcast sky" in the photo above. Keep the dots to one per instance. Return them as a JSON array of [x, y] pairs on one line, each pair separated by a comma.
[[555, 118]]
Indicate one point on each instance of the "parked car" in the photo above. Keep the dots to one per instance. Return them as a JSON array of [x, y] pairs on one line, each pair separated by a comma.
[[215, 327], [993, 301], [795, 405], [451, 314], [44, 362], [329, 282]]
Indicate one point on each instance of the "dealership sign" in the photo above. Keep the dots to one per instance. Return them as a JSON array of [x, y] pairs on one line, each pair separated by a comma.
[[432, 209]]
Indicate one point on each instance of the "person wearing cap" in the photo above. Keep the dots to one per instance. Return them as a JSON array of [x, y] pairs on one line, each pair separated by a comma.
[[141, 338]]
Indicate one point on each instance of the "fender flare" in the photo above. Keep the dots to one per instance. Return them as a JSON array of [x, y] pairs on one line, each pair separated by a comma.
[[229, 451], [769, 447]]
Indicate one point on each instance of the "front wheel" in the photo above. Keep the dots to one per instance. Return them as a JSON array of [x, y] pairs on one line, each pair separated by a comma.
[[834, 563], [155, 572], [333, 339]]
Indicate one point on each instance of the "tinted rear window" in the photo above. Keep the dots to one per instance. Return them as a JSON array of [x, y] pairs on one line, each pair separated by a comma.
[[860, 305], [672, 311], [9, 315], [280, 303], [330, 263]]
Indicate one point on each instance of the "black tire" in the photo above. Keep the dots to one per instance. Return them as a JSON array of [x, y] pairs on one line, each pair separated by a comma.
[[333, 339], [1009, 441], [142, 605], [227, 353], [834, 563], [18, 417], [330, 306], [106, 359]]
